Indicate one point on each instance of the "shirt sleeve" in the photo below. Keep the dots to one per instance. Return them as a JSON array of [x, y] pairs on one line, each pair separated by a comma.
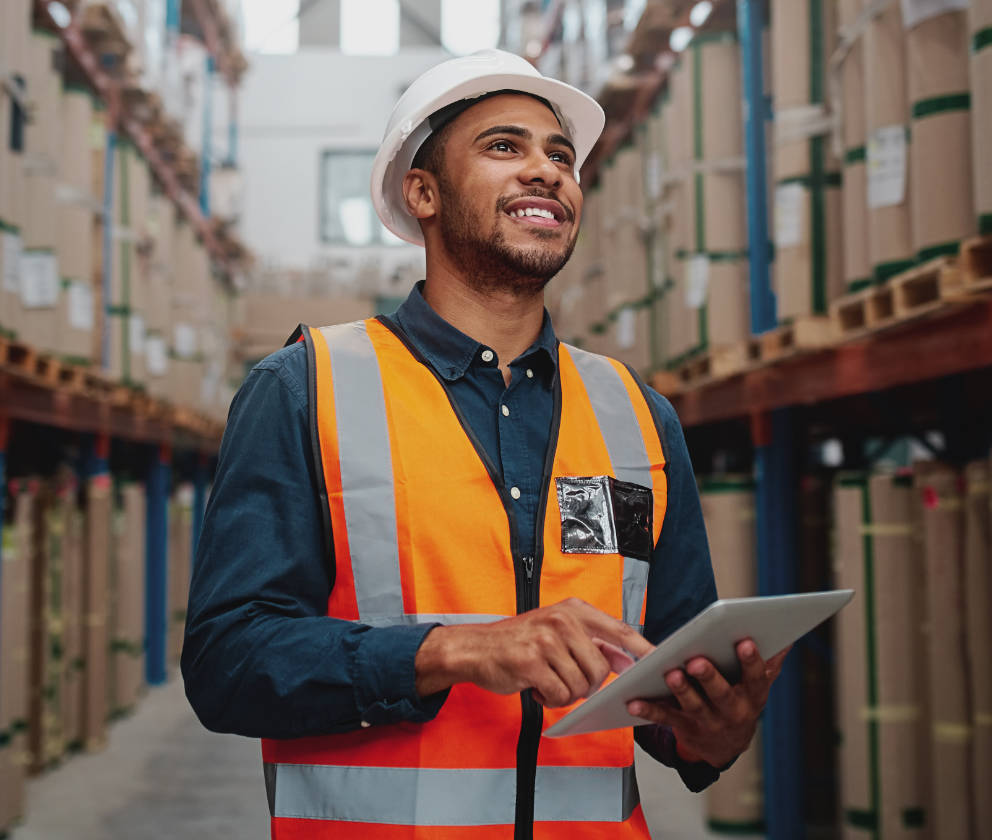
[[261, 658], [680, 583]]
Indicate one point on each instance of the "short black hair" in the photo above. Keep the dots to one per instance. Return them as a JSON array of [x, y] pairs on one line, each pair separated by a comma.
[[430, 155]]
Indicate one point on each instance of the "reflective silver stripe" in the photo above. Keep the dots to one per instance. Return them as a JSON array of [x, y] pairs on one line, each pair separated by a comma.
[[366, 470], [628, 454], [428, 796], [434, 618]]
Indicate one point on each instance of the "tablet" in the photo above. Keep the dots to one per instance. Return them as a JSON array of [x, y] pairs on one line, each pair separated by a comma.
[[773, 622]]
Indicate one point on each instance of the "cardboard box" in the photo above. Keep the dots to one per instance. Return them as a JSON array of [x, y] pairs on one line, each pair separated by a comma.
[[857, 266], [127, 625], [941, 195], [72, 621], [942, 512]]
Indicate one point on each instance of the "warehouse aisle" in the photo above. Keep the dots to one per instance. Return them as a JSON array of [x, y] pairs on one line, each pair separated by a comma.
[[163, 775]]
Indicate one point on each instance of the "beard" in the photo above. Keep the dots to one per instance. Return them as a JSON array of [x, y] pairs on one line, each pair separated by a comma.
[[488, 261]]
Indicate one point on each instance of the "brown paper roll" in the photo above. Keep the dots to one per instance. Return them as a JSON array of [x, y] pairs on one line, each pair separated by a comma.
[[943, 541]]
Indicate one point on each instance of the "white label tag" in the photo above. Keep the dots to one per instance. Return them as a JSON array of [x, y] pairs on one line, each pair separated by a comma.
[[626, 328], [887, 166], [185, 341], [11, 263], [156, 355], [917, 11], [789, 217], [80, 305], [699, 281], [39, 280], [136, 324]]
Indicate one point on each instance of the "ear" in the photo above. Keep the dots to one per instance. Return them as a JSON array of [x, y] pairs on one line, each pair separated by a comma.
[[421, 193]]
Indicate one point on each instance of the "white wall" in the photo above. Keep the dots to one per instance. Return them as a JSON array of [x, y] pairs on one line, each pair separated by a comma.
[[293, 107]]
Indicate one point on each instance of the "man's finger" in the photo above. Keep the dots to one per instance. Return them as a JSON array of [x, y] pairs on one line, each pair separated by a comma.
[[752, 665], [687, 696], [718, 690], [773, 666], [599, 624], [655, 712]]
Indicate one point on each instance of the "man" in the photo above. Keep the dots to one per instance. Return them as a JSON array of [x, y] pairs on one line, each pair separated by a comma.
[[430, 534]]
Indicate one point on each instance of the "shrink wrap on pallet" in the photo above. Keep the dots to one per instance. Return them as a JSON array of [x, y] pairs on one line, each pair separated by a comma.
[[127, 606], [942, 511], [941, 194], [14, 652], [981, 109], [734, 803], [890, 235], [978, 597], [809, 270], [880, 692], [857, 267]]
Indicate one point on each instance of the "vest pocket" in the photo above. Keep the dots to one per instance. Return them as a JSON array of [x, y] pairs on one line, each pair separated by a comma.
[[602, 515]]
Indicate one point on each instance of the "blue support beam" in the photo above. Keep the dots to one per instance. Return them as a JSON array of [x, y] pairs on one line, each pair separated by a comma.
[[157, 565], [173, 16], [777, 517], [207, 139], [108, 245], [751, 19]]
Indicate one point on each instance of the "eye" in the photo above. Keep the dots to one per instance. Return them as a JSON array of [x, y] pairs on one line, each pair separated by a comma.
[[561, 157], [501, 146]]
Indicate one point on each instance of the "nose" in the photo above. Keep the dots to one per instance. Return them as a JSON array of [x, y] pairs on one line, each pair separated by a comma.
[[539, 169]]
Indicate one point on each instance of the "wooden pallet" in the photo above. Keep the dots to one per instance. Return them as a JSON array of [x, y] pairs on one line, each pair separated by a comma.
[[925, 288], [715, 363], [976, 263], [807, 332], [862, 312]]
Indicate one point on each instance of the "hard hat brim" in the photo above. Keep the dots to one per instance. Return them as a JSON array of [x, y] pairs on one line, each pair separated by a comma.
[[581, 117]]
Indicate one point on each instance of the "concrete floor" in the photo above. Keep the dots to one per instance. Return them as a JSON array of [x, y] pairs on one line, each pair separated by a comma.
[[164, 776]]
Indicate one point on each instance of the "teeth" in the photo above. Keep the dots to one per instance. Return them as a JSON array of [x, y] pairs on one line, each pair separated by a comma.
[[533, 211]]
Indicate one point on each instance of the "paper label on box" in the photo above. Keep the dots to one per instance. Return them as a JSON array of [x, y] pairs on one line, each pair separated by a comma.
[[80, 305], [185, 341], [626, 328], [886, 162], [917, 11], [11, 263], [699, 281], [39, 280], [156, 355], [789, 202], [136, 325]]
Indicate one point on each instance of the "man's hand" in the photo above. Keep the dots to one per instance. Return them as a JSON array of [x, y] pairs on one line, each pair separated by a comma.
[[717, 726], [558, 652]]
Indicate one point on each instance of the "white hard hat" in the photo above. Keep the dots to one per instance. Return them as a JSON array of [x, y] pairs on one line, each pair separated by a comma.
[[468, 77]]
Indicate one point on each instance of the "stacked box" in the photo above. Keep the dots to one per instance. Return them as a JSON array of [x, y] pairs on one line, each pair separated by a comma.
[[127, 606], [190, 299], [941, 194], [72, 625], [15, 627], [40, 724], [40, 278], [890, 235], [180, 566], [76, 208], [15, 29], [978, 596], [658, 262], [99, 508], [938, 488], [809, 267], [158, 317], [857, 266], [881, 698], [981, 99], [735, 802]]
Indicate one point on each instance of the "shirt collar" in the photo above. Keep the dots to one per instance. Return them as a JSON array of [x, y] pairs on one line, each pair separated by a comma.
[[450, 351]]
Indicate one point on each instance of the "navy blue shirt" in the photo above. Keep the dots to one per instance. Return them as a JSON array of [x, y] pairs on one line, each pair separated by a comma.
[[261, 658]]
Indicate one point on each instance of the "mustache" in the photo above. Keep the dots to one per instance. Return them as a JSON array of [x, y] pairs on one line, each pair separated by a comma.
[[551, 196]]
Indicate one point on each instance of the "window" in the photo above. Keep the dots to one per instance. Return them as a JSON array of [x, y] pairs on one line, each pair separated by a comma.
[[370, 27], [347, 216]]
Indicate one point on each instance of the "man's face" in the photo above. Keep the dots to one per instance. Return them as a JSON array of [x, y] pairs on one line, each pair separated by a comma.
[[509, 204]]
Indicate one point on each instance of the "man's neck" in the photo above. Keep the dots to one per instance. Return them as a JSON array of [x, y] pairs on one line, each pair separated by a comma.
[[502, 320]]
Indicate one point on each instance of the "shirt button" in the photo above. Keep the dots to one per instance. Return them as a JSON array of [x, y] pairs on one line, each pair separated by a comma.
[[530, 373], [515, 493], [487, 355], [365, 724], [506, 411]]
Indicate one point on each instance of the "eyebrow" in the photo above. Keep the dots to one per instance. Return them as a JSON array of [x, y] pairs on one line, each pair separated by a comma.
[[519, 131]]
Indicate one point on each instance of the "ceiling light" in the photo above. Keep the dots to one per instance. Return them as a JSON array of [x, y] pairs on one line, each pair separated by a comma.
[[60, 14], [700, 12], [625, 63], [680, 38]]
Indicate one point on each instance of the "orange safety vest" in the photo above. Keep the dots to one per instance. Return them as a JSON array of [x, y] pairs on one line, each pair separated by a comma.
[[423, 530]]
